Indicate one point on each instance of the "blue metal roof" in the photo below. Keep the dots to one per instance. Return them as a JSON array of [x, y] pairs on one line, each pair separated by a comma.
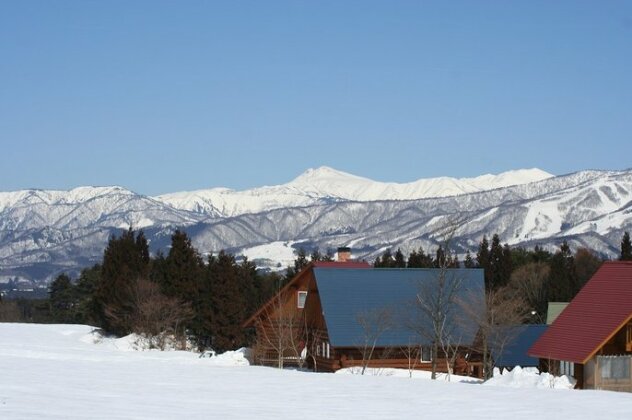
[[347, 294], [521, 339]]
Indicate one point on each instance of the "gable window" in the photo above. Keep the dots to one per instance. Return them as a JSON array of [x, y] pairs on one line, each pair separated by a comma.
[[301, 297]]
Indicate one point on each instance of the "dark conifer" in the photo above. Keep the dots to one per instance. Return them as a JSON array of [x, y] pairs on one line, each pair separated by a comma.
[[125, 260], [228, 304], [562, 284], [626, 248], [62, 299], [399, 261], [469, 262]]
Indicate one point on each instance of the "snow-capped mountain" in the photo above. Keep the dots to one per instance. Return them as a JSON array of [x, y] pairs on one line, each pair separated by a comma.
[[325, 185], [45, 232]]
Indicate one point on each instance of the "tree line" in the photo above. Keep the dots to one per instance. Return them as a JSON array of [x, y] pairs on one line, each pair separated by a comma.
[[206, 300], [540, 276]]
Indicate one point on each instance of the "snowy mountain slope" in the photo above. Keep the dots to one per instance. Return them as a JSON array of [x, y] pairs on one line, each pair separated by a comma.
[[325, 185], [542, 213], [40, 238], [85, 206]]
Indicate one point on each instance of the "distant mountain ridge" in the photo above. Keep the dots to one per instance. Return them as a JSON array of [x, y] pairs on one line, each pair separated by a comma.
[[45, 232], [324, 184]]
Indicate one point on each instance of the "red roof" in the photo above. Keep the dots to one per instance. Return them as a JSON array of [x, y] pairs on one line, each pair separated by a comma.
[[338, 264], [599, 310]]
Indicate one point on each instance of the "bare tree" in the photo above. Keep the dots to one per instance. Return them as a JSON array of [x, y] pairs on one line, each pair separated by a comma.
[[528, 281], [494, 313], [436, 302], [412, 351], [280, 333], [374, 324], [153, 315]]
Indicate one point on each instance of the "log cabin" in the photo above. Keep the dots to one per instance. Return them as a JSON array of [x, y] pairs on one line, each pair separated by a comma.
[[591, 339], [346, 314]]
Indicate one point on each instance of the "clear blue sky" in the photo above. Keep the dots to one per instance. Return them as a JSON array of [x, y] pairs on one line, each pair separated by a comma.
[[162, 96]]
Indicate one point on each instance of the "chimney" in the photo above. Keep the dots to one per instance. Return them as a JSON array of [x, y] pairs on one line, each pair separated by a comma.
[[344, 254]]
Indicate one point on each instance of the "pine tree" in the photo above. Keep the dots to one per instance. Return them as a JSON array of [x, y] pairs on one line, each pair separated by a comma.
[[386, 261], [86, 311], [125, 260], [399, 261], [562, 284], [62, 299], [301, 260], [183, 278], [482, 258], [440, 258], [495, 263], [183, 269], [469, 262], [626, 248], [228, 304]]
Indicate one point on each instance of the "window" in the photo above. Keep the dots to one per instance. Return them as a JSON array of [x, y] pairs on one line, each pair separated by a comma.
[[615, 367], [301, 297], [567, 368], [426, 354]]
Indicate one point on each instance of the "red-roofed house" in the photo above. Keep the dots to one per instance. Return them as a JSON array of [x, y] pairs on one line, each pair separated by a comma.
[[592, 338]]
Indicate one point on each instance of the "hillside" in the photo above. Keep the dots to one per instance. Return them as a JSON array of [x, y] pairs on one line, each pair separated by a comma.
[[43, 233]]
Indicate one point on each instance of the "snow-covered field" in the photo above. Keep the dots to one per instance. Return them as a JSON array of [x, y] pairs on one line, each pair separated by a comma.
[[59, 372]]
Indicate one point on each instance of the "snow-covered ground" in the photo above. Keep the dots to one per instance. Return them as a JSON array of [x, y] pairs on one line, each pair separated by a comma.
[[60, 372]]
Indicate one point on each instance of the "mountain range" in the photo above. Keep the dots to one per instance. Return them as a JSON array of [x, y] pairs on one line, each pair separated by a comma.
[[43, 233]]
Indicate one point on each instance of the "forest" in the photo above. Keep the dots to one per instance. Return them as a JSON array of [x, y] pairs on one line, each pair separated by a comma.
[[205, 300]]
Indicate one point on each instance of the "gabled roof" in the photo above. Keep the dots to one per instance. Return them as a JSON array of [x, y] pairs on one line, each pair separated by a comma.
[[599, 310], [347, 294], [329, 264], [514, 352]]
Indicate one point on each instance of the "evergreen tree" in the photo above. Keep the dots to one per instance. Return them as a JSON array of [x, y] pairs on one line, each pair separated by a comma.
[[316, 255], [86, 310], [506, 265], [495, 263], [183, 278], [562, 284], [399, 261], [455, 263], [541, 255], [482, 258], [62, 300], [469, 261], [228, 304], [440, 258], [419, 259], [301, 260], [586, 264], [626, 248], [386, 261], [125, 260], [183, 269]]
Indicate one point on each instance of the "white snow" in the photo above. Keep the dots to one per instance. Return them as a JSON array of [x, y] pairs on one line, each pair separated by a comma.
[[328, 183], [529, 377], [280, 252], [59, 372]]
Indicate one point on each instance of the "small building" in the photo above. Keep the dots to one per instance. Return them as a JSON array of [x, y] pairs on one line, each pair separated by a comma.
[[591, 339], [332, 313], [514, 352]]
